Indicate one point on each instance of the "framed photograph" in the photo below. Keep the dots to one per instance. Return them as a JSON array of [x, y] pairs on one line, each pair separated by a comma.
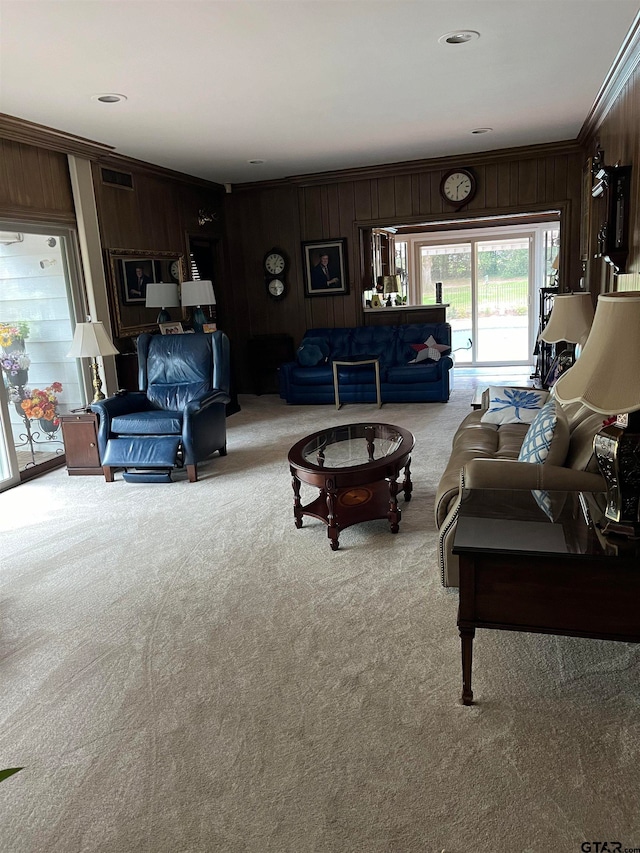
[[129, 273], [325, 267], [171, 328], [209, 327]]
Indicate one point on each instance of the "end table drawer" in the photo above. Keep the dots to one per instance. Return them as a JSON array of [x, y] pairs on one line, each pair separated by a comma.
[[80, 435]]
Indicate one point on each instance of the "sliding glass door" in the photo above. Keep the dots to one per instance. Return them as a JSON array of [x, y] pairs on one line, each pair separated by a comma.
[[37, 297], [489, 278]]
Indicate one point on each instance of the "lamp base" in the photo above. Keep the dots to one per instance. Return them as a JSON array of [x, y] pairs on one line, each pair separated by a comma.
[[163, 316], [617, 450], [199, 319], [96, 382]]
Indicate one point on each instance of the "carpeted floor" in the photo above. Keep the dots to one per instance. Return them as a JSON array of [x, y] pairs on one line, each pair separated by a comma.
[[182, 671]]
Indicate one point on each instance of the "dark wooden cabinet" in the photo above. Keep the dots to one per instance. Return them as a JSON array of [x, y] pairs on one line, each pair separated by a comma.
[[80, 435]]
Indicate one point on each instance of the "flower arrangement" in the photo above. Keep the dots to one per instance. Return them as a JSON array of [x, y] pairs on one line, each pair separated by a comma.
[[10, 332], [42, 404], [13, 363]]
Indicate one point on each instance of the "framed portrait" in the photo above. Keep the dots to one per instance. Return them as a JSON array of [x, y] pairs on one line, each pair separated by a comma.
[[171, 328], [129, 273], [209, 327], [325, 267]]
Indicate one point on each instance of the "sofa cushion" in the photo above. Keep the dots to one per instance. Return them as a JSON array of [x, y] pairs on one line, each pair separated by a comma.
[[313, 351], [410, 374], [513, 405], [547, 439]]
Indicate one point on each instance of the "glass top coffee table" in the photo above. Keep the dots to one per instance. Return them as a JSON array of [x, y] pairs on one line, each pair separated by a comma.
[[356, 469]]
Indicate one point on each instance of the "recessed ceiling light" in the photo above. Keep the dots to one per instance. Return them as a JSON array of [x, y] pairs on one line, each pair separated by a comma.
[[109, 98], [482, 130], [255, 162], [459, 37]]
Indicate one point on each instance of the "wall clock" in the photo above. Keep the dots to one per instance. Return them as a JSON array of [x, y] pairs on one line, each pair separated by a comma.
[[174, 269], [458, 186], [275, 267]]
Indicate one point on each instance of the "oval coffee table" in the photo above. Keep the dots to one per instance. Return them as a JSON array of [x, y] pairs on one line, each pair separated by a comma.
[[356, 468]]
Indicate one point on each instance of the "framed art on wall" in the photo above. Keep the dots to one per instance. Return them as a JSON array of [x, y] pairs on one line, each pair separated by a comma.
[[325, 267], [129, 273]]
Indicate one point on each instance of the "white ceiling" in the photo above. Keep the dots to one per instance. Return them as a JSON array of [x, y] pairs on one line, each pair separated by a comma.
[[306, 85]]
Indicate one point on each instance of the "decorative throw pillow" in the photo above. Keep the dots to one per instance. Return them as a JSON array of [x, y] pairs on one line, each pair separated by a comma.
[[547, 439], [312, 351], [429, 350], [513, 405], [425, 354]]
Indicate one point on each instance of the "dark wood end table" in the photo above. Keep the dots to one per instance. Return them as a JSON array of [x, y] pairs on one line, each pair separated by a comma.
[[356, 469], [537, 561]]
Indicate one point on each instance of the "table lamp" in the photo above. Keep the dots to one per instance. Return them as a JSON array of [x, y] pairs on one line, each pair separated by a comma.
[[198, 293], [570, 320], [606, 378], [89, 341], [390, 285], [162, 295]]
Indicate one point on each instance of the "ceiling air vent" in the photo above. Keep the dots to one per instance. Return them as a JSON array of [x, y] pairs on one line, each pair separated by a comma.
[[117, 179]]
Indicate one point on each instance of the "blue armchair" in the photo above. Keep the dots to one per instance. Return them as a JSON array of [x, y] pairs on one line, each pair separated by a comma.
[[179, 415]]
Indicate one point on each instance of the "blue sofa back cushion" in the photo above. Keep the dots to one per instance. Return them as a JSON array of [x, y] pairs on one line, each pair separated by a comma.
[[312, 351], [390, 344]]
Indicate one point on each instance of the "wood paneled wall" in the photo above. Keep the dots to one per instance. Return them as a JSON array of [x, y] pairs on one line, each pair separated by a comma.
[[318, 207], [34, 184], [619, 137]]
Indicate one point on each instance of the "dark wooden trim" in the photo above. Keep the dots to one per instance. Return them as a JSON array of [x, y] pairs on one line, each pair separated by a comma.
[[30, 133], [522, 214], [27, 216], [413, 166], [623, 67]]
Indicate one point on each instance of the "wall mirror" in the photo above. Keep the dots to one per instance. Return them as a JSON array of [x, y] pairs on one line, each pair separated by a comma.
[[129, 272]]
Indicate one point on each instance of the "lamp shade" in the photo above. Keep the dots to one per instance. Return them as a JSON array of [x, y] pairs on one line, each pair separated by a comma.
[[198, 293], [606, 377], [570, 320], [390, 283], [91, 340], [162, 295]]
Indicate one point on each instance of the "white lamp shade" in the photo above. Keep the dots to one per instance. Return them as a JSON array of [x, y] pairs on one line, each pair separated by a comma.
[[606, 377], [91, 340], [162, 294], [570, 320], [198, 293]]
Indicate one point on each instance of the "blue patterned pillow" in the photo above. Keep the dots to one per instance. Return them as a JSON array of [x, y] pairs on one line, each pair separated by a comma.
[[547, 439], [513, 405]]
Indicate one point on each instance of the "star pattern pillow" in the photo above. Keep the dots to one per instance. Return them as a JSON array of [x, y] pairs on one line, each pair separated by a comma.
[[430, 349]]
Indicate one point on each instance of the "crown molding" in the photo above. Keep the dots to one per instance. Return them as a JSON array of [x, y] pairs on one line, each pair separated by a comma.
[[411, 167], [29, 133], [623, 67]]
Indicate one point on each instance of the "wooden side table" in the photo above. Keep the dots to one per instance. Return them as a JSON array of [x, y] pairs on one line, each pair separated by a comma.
[[80, 435]]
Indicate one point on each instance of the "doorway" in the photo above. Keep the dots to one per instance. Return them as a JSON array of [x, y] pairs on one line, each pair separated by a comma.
[[38, 291]]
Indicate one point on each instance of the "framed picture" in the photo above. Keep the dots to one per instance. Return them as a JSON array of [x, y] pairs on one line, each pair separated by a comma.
[[129, 273], [325, 267], [209, 327], [171, 328]]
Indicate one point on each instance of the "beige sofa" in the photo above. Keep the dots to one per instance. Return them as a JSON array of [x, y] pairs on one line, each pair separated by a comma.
[[484, 455]]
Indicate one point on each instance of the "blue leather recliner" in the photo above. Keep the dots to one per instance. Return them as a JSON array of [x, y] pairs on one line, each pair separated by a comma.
[[178, 418]]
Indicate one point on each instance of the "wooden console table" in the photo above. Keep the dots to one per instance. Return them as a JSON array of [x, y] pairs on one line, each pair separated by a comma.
[[524, 570]]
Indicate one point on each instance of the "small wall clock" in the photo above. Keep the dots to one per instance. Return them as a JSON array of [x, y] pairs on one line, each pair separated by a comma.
[[458, 186]]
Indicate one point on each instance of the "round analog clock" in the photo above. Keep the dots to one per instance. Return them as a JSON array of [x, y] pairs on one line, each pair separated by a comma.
[[174, 269], [274, 262], [458, 186], [276, 288]]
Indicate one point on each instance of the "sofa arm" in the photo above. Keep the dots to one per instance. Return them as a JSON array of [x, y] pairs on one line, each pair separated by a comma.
[[511, 474]]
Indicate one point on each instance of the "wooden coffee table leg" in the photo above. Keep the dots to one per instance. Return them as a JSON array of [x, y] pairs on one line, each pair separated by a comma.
[[297, 503], [407, 485], [466, 640], [394, 515], [333, 531]]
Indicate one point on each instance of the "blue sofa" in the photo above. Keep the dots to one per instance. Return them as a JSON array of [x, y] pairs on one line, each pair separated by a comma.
[[309, 379]]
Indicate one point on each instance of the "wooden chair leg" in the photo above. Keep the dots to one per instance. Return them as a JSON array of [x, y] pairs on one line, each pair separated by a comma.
[[192, 471], [108, 473]]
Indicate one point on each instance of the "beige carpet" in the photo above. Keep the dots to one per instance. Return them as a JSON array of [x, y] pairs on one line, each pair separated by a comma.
[[182, 671]]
